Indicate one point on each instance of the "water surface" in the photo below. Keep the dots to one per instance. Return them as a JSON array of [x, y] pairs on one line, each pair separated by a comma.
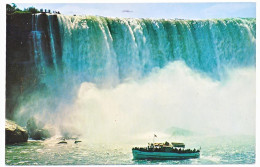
[[215, 150]]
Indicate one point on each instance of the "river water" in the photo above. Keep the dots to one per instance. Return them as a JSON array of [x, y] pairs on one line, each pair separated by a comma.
[[214, 150]]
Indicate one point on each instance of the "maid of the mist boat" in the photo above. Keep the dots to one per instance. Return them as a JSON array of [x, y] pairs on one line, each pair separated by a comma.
[[165, 151]]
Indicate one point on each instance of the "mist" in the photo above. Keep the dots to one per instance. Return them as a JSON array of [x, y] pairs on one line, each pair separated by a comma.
[[125, 79], [175, 96]]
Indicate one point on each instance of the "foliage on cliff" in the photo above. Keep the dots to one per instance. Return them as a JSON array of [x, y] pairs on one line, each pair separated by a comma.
[[12, 9]]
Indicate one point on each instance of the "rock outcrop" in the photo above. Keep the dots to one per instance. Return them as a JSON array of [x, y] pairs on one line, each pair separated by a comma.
[[36, 129], [22, 76], [14, 133]]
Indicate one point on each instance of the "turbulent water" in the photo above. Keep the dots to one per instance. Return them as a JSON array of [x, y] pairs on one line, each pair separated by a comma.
[[108, 51], [215, 150], [121, 80]]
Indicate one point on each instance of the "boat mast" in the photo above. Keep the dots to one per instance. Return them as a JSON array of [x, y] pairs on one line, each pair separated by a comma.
[[154, 136]]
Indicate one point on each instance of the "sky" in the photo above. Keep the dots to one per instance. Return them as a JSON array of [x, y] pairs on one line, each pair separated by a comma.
[[153, 10]]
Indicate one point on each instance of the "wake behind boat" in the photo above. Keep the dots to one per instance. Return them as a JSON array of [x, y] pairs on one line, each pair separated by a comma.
[[165, 151]]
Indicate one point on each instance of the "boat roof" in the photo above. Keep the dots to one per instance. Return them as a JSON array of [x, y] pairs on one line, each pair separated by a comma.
[[178, 144], [173, 144]]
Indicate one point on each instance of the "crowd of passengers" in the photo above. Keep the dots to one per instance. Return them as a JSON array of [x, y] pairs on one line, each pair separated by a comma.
[[162, 149]]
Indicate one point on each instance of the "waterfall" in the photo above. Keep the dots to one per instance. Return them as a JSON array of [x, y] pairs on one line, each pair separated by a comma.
[[53, 51], [108, 51], [111, 72], [97, 48], [38, 51]]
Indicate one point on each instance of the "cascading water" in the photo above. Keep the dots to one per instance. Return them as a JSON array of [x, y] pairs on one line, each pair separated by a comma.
[[122, 48], [121, 77], [53, 51], [37, 44]]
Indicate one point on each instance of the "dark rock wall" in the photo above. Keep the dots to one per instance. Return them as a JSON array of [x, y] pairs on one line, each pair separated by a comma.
[[22, 77], [18, 58]]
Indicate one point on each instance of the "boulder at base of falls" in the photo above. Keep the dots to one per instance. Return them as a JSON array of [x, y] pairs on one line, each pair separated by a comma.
[[37, 129], [14, 133], [40, 134]]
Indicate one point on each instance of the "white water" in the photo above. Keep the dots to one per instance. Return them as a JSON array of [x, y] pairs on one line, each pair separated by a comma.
[[172, 97], [126, 79]]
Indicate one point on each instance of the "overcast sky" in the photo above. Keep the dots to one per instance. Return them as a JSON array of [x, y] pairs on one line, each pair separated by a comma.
[[153, 10]]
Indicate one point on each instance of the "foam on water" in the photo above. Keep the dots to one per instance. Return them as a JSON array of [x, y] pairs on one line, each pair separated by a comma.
[[121, 78], [161, 101], [50, 153]]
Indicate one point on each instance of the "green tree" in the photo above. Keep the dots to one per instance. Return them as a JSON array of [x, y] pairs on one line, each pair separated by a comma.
[[10, 9], [32, 10]]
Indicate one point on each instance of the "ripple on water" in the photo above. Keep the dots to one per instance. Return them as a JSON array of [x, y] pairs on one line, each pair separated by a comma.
[[41, 153]]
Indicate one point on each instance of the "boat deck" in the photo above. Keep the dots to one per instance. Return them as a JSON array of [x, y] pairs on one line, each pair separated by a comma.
[[164, 155]]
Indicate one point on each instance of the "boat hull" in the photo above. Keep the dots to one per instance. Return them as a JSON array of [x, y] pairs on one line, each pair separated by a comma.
[[163, 155]]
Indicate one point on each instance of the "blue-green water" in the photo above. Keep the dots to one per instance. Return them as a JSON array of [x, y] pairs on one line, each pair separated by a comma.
[[215, 150], [119, 78]]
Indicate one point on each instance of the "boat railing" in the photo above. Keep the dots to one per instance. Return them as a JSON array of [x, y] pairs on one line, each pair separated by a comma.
[[165, 149]]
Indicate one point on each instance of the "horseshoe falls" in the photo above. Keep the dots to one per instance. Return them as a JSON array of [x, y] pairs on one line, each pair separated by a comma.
[[105, 76], [122, 80], [108, 51]]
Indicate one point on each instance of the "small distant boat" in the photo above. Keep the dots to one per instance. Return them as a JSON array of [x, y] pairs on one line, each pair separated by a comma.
[[165, 151]]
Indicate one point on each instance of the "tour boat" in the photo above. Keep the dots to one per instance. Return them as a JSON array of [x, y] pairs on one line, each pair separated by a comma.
[[165, 151]]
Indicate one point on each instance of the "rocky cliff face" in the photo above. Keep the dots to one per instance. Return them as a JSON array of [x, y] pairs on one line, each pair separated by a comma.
[[21, 73], [18, 28], [14, 133]]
